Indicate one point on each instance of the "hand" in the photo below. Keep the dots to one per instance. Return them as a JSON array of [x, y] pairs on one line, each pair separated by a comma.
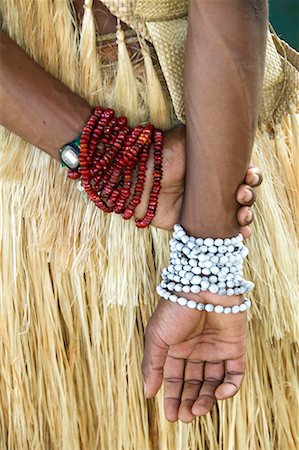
[[200, 355], [171, 195]]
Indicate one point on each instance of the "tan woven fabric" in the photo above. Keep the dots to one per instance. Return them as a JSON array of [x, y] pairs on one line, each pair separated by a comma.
[[165, 24]]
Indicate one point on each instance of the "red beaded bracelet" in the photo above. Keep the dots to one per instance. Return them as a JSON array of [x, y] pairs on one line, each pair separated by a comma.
[[110, 154]]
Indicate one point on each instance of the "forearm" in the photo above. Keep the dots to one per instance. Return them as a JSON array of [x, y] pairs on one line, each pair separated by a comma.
[[224, 69], [34, 105]]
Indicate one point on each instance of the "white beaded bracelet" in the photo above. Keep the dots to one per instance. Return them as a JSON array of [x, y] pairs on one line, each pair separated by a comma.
[[198, 264], [208, 307]]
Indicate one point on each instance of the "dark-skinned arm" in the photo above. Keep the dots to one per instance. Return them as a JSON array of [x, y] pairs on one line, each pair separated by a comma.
[[224, 70]]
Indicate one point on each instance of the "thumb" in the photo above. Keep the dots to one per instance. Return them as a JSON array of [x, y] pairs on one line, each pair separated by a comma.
[[155, 352]]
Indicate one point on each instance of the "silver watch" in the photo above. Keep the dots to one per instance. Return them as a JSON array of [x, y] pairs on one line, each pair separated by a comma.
[[69, 154]]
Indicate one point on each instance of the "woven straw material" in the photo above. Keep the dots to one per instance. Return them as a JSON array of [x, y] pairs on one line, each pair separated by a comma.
[[166, 25], [78, 286]]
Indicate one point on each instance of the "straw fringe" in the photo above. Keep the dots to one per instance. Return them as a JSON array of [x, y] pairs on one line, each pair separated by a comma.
[[157, 103], [125, 91], [77, 288]]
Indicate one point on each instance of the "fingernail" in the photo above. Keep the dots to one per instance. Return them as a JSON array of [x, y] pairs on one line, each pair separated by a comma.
[[255, 178], [249, 216], [248, 195]]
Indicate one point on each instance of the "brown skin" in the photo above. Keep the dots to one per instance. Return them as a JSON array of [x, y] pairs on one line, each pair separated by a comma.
[[56, 116], [200, 355]]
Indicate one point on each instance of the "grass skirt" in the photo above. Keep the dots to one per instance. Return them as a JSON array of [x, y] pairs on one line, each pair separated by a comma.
[[78, 287]]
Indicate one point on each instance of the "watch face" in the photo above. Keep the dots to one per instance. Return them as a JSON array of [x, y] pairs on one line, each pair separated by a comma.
[[69, 155]]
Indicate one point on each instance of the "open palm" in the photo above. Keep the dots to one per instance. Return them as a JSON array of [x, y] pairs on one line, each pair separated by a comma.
[[200, 356]]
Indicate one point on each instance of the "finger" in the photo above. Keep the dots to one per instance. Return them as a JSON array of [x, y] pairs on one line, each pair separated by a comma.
[[235, 370], [173, 384], [213, 376], [155, 352], [193, 379], [254, 176], [244, 216], [246, 232], [245, 195]]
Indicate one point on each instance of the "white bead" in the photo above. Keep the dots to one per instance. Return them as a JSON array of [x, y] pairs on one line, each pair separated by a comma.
[[196, 280], [214, 270], [218, 309], [173, 298], [230, 248], [170, 286], [191, 304], [180, 234], [213, 249], [178, 267], [209, 307], [225, 270], [189, 276], [177, 262], [247, 303], [250, 285], [170, 268], [230, 292], [235, 309], [200, 306], [193, 262], [208, 242], [242, 307], [182, 273], [230, 276], [221, 284], [222, 249], [213, 279], [191, 245], [184, 261], [227, 241], [186, 289], [187, 267], [230, 284], [213, 288], [179, 246], [206, 271], [208, 264], [199, 241], [184, 281], [185, 239], [234, 241], [223, 260], [218, 242], [195, 289], [204, 278], [204, 285], [214, 259], [237, 291], [203, 249], [186, 250], [182, 301], [177, 278], [196, 270], [222, 291], [178, 288], [177, 227], [192, 255], [227, 310]]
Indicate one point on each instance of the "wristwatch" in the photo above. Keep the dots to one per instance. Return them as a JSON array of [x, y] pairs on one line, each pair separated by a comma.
[[69, 153]]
